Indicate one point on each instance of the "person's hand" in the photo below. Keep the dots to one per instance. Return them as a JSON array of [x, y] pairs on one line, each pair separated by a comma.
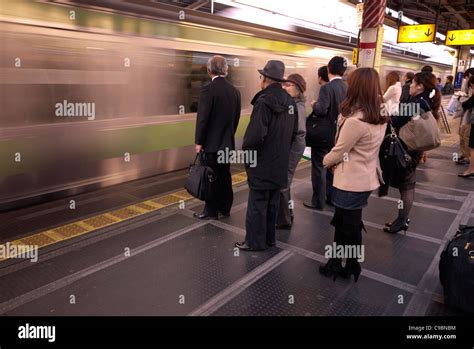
[[198, 148], [313, 102]]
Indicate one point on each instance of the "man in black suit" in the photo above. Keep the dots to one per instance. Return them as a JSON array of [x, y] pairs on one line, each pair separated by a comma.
[[330, 97], [217, 120], [272, 128]]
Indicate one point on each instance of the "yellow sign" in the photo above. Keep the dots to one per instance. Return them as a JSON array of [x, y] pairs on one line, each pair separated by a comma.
[[355, 56], [359, 14], [378, 50], [460, 37], [416, 33]]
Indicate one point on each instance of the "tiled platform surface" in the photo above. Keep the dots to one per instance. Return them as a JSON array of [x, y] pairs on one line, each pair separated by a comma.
[[168, 263]]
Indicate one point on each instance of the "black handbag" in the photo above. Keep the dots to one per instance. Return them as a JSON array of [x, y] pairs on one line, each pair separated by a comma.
[[200, 179], [393, 150], [393, 159], [318, 132]]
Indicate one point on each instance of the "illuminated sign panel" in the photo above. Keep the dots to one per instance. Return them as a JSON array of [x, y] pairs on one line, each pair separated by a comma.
[[416, 33], [355, 56], [460, 37]]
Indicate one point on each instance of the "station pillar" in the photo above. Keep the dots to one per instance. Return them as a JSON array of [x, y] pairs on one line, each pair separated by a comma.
[[464, 59], [461, 63], [371, 34]]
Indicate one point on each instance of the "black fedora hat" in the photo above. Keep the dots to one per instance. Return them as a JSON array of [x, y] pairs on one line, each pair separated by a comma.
[[274, 70]]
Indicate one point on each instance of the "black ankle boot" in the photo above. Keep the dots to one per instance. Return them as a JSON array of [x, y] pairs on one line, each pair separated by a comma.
[[332, 268], [352, 268]]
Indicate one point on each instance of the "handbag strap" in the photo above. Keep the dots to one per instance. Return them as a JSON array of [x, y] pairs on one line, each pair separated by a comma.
[[339, 128], [393, 133], [202, 158]]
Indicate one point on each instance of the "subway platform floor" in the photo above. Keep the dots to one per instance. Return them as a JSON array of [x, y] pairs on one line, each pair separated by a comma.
[[135, 249]]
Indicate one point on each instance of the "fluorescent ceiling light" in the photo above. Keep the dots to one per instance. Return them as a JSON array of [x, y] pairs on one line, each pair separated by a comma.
[[334, 17]]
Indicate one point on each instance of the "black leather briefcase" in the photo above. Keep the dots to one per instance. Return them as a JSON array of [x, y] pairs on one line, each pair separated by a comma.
[[200, 178]]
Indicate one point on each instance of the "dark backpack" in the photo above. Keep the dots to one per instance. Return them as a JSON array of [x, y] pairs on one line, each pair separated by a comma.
[[200, 179], [456, 270]]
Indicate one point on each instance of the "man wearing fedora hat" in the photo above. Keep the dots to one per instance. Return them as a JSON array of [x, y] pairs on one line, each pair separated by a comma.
[[271, 130]]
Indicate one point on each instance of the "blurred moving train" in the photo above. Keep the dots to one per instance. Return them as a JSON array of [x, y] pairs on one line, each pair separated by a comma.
[[141, 68]]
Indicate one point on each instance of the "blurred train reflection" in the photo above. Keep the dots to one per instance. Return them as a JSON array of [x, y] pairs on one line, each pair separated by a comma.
[[143, 89]]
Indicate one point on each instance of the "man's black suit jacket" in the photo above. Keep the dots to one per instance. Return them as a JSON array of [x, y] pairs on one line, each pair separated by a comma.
[[217, 116], [330, 98]]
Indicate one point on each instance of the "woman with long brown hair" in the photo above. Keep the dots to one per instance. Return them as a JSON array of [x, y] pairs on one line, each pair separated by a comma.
[[354, 159], [424, 97]]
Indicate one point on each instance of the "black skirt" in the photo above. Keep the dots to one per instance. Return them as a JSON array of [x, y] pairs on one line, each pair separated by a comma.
[[405, 178], [349, 200]]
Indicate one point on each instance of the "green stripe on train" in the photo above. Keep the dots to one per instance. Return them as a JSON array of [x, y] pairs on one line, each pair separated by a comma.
[[37, 154]]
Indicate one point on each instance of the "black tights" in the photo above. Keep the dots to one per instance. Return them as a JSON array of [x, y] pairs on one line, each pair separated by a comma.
[[348, 226], [407, 198]]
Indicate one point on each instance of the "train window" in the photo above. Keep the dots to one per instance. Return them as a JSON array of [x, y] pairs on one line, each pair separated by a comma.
[[118, 79], [112, 79], [191, 67]]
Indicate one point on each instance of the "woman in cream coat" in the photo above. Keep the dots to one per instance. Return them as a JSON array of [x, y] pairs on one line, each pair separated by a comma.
[[354, 160], [393, 92]]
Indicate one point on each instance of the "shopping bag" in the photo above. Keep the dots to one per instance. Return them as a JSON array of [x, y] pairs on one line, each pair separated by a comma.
[[453, 104], [421, 133]]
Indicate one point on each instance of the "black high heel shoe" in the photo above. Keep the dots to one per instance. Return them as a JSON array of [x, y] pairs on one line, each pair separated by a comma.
[[389, 224], [352, 268], [391, 230], [466, 175], [332, 268]]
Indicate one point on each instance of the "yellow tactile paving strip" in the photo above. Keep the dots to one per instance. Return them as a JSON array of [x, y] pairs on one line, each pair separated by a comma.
[[84, 226]]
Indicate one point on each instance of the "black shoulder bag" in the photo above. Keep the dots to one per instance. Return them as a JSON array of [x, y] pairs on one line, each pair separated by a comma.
[[318, 132], [393, 150], [393, 158], [200, 179]]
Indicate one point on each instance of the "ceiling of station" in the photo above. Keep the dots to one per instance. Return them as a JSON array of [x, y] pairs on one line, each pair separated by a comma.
[[451, 14], [200, 5]]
